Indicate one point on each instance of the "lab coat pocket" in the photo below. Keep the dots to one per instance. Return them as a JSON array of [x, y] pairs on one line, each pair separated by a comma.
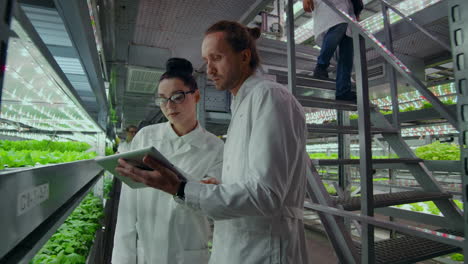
[[198, 256]]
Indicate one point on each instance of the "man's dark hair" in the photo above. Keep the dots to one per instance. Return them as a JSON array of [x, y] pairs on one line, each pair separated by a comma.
[[129, 127], [239, 38]]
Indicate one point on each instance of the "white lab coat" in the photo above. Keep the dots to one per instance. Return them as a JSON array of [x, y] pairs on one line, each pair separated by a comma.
[[258, 208], [168, 232], [325, 18], [124, 146]]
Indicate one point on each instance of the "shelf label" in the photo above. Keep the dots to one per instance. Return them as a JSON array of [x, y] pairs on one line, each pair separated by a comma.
[[32, 198]]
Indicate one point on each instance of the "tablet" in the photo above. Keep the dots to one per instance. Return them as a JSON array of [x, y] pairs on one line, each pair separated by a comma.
[[135, 157]]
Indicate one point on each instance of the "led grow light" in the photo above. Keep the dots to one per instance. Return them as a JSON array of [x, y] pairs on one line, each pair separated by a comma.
[[34, 95], [408, 7], [447, 93], [373, 23]]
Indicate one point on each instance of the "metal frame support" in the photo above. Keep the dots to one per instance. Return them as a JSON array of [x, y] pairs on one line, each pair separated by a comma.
[[391, 71], [101, 151], [339, 238], [6, 12], [201, 112], [458, 20], [398, 65], [343, 151], [291, 47], [387, 5], [344, 177], [401, 227], [420, 172], [365, 148], [75, 15]]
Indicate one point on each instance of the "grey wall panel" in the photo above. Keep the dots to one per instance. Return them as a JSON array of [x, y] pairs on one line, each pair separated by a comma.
[[219, 101], [147, 56]]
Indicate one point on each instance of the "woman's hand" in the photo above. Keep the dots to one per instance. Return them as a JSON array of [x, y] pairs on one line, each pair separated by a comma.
[[160, 178], [210, 180], [308, 5]]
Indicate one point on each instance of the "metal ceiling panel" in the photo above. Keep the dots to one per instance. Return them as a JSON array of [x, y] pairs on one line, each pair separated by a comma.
[[179, 25], [143, 80]]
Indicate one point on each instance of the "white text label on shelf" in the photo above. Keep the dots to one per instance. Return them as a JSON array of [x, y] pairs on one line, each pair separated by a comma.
[[32, 198]]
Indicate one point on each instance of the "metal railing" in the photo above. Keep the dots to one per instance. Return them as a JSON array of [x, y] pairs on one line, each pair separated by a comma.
[[327, 211]]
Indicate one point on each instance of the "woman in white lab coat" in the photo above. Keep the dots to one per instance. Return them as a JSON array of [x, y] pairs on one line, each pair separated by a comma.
[[151, 227]]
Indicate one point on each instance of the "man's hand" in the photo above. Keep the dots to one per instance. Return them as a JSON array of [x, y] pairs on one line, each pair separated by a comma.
[[160, 178], [308, 5], [210, 181]]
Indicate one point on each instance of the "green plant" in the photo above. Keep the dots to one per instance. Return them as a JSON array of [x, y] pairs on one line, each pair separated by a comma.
[[433, 209], [330, 189], [108, 183], [408, 109], [109, 151], [74, 238], [323, 156], [44, 145], [438, 151], [426, 105], [380, 179], [449, 102], [353, 116], [417, 207], [386, 112], [21, 158], [113, 116], [457, 257]]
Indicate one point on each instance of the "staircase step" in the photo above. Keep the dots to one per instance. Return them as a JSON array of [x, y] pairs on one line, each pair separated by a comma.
[[310, 82], [335, 129], [330, 162], [389, 199], [410, 249], [317, 102]]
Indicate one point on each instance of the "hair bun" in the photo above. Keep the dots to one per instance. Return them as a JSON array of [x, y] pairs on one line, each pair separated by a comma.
[[254, 32], [179, 65]]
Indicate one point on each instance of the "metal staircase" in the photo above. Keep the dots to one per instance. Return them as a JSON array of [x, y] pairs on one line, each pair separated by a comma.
[[413, 244]]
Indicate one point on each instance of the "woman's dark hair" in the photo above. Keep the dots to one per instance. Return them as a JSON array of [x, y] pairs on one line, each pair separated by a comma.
[[181, 69], [239, 38]]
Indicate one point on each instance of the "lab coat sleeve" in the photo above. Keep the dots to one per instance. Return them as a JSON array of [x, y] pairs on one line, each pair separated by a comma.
[[217, 165], [125, 250], [276, 145]]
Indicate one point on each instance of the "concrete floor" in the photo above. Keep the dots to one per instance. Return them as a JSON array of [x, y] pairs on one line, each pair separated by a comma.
[[319, 248]]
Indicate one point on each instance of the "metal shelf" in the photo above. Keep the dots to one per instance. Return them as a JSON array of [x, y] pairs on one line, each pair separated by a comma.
[[35, 201]]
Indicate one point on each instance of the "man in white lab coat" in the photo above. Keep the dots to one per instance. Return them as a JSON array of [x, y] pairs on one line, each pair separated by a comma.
[[258, 207], [126, 145], [331, 31]]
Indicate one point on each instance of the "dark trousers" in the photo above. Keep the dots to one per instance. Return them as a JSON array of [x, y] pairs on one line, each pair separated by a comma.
[[336, 37]]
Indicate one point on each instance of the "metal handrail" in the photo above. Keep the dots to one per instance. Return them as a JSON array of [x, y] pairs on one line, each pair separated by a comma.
[[416, 25], [397, 64]]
